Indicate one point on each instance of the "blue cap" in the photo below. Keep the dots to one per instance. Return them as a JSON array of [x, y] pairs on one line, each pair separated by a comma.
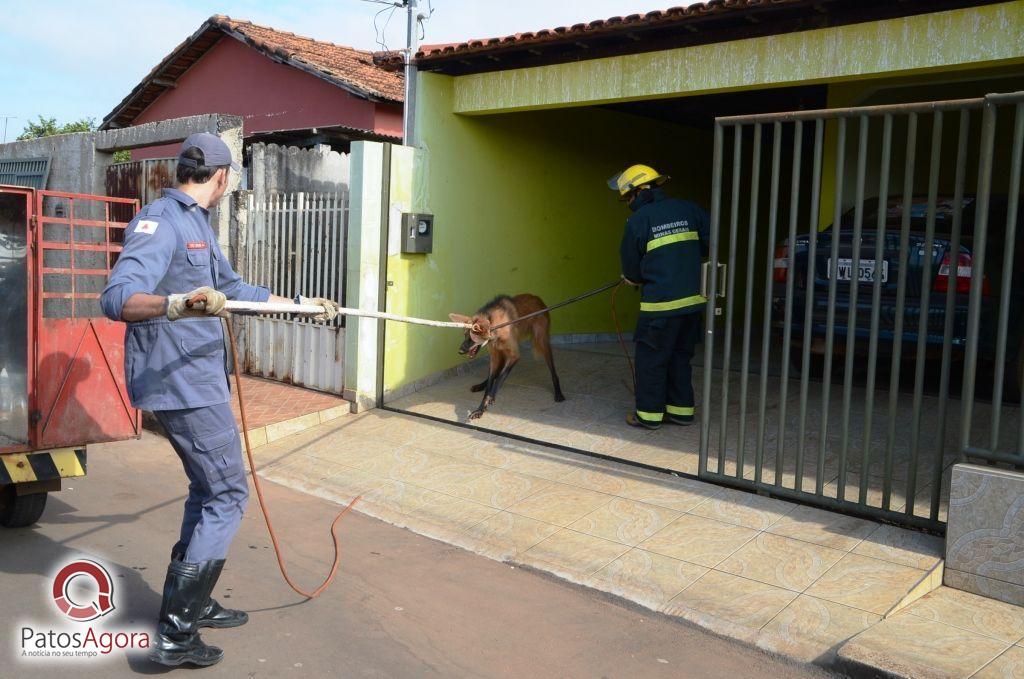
[[215, 152]]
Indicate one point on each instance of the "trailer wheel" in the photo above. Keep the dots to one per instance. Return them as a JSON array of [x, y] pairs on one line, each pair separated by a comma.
[[19, 511]]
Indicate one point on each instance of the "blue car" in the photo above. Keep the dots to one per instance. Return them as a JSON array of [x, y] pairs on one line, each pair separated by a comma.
[[881, 259]]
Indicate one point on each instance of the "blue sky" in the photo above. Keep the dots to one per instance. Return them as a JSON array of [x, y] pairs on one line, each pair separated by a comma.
[[78, 58]]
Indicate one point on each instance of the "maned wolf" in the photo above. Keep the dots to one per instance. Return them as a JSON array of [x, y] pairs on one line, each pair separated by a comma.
[[504, 342]]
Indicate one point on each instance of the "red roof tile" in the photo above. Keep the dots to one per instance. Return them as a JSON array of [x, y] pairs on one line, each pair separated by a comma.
[[599, 26], [346, 63], [346, 67]]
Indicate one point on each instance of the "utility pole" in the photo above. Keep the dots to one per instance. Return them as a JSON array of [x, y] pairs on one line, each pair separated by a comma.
[[6, 118], [411, 45]]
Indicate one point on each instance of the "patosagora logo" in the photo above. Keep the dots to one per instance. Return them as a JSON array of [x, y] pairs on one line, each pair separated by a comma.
[[82, 591], [83, 612]]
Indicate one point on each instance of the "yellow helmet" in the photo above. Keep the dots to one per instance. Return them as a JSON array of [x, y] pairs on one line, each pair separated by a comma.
[[633, 177]]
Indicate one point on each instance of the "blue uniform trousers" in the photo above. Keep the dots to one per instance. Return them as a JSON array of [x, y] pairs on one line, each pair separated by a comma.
[[206, 440], [664, 378]]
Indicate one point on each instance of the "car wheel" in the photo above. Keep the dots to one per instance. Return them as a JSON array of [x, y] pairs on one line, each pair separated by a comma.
[[816, 366], [1013, 380], [20, 511]]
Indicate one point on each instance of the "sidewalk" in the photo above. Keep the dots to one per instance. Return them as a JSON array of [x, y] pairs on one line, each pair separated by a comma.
[[795, 580], [275, 410]]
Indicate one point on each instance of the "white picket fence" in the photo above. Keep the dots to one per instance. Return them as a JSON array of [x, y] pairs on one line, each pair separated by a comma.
[[294, 243]]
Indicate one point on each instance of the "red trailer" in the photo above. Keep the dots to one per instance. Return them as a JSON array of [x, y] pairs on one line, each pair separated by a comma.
[[62, 382]]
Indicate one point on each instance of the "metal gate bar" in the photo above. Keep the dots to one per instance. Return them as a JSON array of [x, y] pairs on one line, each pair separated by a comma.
[[918, 335], [992, 453]]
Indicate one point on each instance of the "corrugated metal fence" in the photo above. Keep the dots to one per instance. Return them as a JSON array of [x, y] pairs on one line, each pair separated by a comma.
[[294, 243], [142, 179]]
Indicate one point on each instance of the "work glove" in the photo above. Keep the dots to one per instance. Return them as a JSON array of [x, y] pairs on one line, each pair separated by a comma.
[[330, 307], [214, 305]]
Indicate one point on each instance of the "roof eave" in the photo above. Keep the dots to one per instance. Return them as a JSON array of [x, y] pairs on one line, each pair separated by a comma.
[[110, 120]]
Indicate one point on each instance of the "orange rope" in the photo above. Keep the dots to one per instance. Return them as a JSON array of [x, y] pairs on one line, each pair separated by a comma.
[[259, 492]]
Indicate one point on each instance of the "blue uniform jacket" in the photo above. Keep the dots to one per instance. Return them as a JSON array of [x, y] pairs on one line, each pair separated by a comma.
[[662, 250], [170, 248]]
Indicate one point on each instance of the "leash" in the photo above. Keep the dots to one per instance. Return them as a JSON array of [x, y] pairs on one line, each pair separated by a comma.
[[618, 333], [571, 300], [244, 308]]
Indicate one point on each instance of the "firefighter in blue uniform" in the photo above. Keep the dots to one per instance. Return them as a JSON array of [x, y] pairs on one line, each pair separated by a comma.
[[175, 366], [662, 250]]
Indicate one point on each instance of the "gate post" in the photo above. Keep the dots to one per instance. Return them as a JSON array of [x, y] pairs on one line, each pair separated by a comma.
[[365, 272]]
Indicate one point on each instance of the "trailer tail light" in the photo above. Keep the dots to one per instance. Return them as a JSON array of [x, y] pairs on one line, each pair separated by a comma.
[[780, 266], [964, 271]]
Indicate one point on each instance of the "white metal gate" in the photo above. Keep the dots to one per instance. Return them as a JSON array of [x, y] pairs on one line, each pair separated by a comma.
[[294, 243]]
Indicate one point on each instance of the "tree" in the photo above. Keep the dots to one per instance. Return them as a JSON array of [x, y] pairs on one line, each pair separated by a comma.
[[47, 127]]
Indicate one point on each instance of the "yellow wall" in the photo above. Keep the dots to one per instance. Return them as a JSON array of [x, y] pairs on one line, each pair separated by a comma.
[[520, 205]]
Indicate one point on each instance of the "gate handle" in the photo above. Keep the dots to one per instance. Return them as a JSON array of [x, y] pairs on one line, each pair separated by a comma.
[[722, 269]]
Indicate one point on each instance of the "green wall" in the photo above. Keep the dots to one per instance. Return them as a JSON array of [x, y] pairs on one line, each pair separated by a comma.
[[971, 37], [520, 205]]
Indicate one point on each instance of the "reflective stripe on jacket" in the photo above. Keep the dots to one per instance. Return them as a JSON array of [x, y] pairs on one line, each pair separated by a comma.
[[662, 250]]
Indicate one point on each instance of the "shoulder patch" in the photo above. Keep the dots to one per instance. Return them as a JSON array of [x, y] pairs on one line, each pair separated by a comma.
[[147, 226]]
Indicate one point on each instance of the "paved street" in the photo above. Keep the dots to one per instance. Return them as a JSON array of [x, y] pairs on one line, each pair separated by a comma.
[[403, 605]]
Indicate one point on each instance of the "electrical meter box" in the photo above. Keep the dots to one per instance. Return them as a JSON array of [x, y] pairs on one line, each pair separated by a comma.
[[417, 233]]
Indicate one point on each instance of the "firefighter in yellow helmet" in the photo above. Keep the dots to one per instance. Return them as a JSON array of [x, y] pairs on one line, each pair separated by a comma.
[[663, 246]]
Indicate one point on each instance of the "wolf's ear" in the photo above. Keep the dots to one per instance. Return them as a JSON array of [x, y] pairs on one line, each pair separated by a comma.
[[459, 318], [477, 329]]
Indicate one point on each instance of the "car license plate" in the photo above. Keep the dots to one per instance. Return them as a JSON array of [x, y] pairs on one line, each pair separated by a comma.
[[865, 270]]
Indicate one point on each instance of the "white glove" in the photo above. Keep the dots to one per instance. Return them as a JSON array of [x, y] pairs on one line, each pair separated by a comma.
[[330, 307], [177, 305]]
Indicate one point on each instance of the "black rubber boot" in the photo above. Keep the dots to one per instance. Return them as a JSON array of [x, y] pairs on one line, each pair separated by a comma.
[[177, 641], [215, 615]]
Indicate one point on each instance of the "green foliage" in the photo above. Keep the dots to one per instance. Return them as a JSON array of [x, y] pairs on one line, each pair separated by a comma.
[[122, 156], [47, 127]]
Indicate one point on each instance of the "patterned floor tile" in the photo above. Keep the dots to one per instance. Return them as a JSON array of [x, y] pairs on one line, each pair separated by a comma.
[[910, 646], [647, 578], [865, 583], [625, 521], [575, 554], [743, 509], [679, 494], [971, 612], [544, 465], [507, 536], [344, 486], [443, 473], [560, 504], [498, 488], [1009, 665], [735, 599], [397, 496], [704, 542], [452, 512], [781, 561], [822, 527], [821, 624], [467, 445], [610, 481], [902, 546]]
